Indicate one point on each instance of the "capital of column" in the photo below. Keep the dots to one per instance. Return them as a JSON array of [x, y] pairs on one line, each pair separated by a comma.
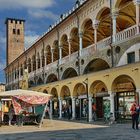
[[80, 34], [69, 40], [52, 50], [95, 23], [115, 13]]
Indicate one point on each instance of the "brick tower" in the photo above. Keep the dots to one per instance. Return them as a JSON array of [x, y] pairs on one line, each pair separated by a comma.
[[15, 38]]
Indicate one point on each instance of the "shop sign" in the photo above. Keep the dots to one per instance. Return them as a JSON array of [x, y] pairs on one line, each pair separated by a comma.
[[102, 94]]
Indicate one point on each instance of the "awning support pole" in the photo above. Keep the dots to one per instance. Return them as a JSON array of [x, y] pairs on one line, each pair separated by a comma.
[[46, 105]]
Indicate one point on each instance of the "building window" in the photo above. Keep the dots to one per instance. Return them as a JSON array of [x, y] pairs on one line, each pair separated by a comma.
[[11, 21], [14, 31], [131, 57], [18, 31]]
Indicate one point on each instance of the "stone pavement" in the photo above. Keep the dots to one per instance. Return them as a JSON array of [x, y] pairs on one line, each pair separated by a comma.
[[64, 130]]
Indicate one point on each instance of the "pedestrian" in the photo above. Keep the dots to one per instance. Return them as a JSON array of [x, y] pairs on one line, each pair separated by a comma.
[[94, 117], [11, 113], [135, 109]]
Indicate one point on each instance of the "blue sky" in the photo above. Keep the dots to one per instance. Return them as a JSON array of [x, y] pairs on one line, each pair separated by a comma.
[[39, 14]]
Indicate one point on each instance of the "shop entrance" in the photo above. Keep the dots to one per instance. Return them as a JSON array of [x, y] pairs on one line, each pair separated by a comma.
[[102, 105], [82, 107], [124, 100]]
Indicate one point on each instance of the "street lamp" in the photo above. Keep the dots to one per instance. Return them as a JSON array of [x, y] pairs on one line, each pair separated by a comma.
[[86, 84]]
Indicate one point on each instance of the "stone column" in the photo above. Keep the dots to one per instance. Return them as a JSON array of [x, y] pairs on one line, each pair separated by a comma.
[[60, 108], [90, 108], [52, 52], [60, 54], [114, 16], [45, 57], [36, 63], [80, 42], [19, 73], [51, 109], [73, 108], [137, 4], [95, 26], [112, 103]]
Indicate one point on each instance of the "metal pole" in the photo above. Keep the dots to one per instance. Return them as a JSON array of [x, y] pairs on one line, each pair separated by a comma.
[[46, 105], [111, 28], [87, 103]]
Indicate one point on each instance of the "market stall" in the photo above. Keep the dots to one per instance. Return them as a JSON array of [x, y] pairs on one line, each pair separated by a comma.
[[24, 102]]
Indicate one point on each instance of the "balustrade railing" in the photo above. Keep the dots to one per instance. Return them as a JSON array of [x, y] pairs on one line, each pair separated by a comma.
[[127, 33]]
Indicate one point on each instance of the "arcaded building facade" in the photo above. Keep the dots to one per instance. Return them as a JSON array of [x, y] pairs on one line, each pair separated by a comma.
[[90, 55]]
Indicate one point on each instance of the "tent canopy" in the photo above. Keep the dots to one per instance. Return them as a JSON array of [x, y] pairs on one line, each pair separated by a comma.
[[25, 98], [22, 92]]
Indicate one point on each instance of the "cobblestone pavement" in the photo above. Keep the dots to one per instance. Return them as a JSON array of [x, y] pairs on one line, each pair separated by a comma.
[[63, 130]]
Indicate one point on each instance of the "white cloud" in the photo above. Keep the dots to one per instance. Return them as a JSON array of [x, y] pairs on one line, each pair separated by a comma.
[[8, 4], [30, 39], [43, 14]]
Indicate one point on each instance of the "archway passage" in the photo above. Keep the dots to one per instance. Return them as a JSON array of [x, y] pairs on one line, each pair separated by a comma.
[[96, 65], [125, 90], [104, 28], [69, 73], [65, 92], [65, 45], [40, 81], [100, 95], [80, 92], [88, 33], [45, 91], [126, 14], [55, 102], [51, 78], [31, 84], [74, 40], [123, 83]]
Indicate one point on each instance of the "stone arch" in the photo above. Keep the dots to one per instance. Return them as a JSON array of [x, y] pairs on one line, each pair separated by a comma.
[[42, 58], [48, 53], [69, 73], [123, 83], [40, 81], [79, 89], [104, 29], [34, 62], [64, 45], [31, 83], [38, 60], [29, 65], [126, 14], [56, 50], [96, 65], [74, 40], [65, 92], [98, 87], [133, 49], [51, 78], [88, 32], [45, 91], [54, 93]]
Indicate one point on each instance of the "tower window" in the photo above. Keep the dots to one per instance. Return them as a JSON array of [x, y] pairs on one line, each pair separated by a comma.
[[16, 21], [18, 31], [11, 21], [14, 31], [131, 57], [20, 22]]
